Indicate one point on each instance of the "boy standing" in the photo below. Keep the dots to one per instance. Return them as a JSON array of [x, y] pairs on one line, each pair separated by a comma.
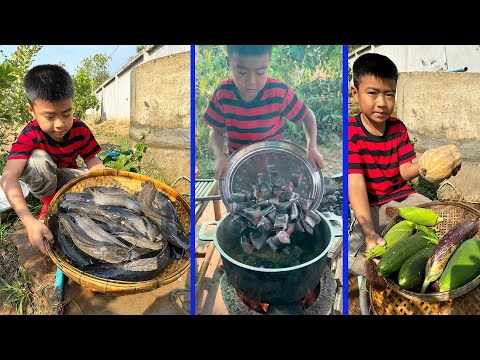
[[44, 155], [251, 106], [380, 157]]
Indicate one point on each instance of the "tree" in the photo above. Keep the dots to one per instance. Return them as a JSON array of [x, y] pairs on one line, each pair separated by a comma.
[[13, 99], [13, 111], [89, 75]]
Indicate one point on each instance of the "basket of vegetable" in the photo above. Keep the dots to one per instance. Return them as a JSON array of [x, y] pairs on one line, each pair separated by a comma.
[[432, 254]]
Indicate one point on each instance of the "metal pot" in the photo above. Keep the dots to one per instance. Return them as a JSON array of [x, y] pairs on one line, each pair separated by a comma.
[[272, 285], [245, 163]]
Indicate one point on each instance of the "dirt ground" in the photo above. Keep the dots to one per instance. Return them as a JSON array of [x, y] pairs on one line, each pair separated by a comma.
[[333, 158], [353, 296]]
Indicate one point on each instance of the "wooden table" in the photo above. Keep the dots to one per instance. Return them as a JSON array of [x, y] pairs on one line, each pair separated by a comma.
[[208, 189]]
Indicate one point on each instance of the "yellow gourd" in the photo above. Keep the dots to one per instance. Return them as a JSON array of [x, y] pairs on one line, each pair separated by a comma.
[[440, 163]]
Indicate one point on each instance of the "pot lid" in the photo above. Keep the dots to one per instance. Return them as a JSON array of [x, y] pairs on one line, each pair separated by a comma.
[[274, 162]]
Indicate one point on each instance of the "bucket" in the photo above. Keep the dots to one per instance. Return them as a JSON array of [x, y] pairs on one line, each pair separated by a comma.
[[5, 207]]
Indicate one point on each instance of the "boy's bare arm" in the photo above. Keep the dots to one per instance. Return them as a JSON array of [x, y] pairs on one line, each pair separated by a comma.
[[13, 191], [358, 198], [310, 129], [409, 171], [95, 164], [217, 142]]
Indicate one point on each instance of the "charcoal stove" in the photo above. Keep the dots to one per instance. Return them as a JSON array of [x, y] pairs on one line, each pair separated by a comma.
[[273, 242], [318, 301]]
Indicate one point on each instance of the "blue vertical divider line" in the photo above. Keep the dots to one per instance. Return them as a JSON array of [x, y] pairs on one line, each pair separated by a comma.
[[345, 180], [192, 179]]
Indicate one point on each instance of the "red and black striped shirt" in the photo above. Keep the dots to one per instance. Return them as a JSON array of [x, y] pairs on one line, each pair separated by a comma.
[[257, 120], [378, 158], [80, 141]]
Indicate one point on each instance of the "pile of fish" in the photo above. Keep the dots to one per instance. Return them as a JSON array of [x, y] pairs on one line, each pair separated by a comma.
[[270, 215], [110, 233]]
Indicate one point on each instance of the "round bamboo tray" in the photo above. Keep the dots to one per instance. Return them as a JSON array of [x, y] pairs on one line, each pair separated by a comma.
[[132, 183], [452, 213]]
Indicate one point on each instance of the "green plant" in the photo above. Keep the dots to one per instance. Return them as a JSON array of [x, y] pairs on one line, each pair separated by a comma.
[[18, 293], [127, 160], [89, 75], [12, 98], [5, 230]]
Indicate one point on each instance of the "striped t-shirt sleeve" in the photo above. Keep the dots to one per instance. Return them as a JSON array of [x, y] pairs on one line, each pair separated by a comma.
[[406, 152], [90, 148], [23, 147], [355, 161], [292, 108], [214, 116]]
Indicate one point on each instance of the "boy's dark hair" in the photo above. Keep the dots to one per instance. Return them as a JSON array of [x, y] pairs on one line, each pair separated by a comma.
[[249, 50], [48, 82], [377, 65]]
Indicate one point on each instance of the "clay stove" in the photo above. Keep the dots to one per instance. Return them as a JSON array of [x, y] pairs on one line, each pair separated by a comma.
[[317, 301]]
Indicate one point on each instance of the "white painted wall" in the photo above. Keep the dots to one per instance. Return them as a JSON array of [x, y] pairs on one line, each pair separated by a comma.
[[411, 58], [114, 94]]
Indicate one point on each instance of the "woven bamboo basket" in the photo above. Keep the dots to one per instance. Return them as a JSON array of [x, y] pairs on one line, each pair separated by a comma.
[[463, 300], [130, 182], [390, 302]]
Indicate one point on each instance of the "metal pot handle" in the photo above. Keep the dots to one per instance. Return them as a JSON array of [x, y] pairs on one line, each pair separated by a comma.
[[201, 232], [338, 234]]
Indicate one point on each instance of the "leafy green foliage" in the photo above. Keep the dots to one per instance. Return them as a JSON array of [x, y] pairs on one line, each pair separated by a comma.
[[96, 67], [89, 75], [84, 98], [128, 160], [12, 98]]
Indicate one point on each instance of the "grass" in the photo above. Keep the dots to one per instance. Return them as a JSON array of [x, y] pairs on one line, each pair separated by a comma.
[[18, 293], [15, 286], [105, 133]]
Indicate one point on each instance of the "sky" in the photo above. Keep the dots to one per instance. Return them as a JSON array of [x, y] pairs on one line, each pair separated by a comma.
[[72, 55]]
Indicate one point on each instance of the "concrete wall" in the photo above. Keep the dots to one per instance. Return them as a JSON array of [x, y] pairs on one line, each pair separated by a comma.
[[160, 104], [114, 94], [443, 108], [409, 58]]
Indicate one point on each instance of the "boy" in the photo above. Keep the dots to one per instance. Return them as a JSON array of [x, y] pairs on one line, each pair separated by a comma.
[[44, 155], [380, 157], [251, 106]]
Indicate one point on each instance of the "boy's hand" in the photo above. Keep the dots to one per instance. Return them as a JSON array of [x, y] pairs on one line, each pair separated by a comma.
[[220, 168], [373, 240], [36, 231], [315, 158]]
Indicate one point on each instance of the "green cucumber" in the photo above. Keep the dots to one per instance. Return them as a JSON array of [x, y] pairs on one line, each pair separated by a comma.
[[463, 266], [399, 231], [412, 272], [394, 258]]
